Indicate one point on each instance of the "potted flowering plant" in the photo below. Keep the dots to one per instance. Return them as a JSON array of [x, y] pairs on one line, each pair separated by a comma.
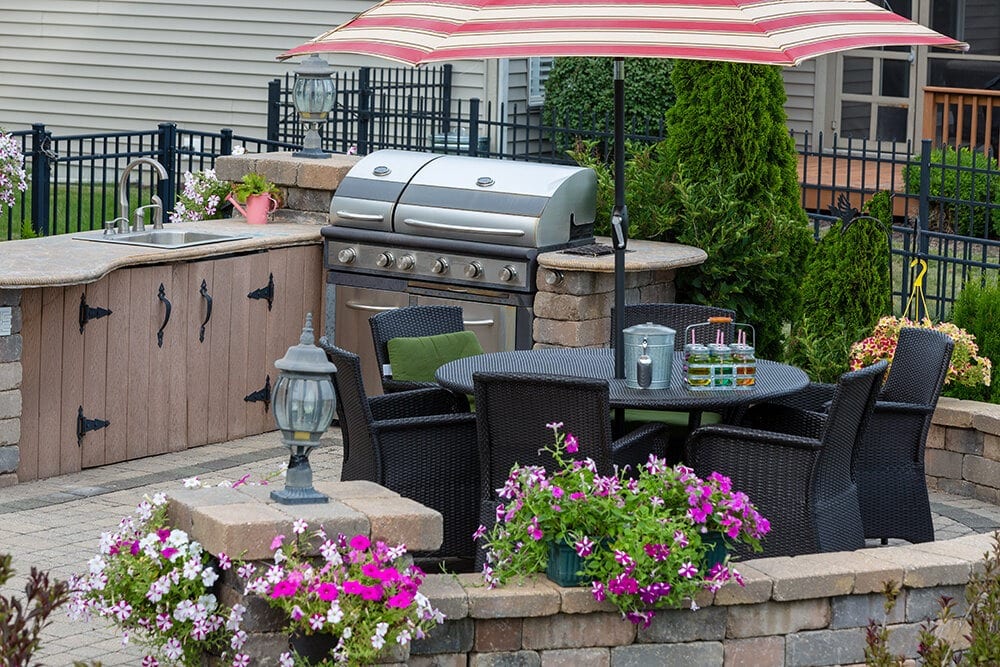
[[967, 368], [13, 178], [202, 197], [643, 542], [353, 604], [156, 585]]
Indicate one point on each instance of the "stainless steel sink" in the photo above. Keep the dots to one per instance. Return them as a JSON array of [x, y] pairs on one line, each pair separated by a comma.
[[168, 239]]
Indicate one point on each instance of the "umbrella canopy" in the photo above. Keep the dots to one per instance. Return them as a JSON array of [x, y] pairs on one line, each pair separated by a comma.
[[767, 32], [771, 32]]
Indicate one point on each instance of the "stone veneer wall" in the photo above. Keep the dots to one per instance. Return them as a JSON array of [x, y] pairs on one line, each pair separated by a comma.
[[807, 610], [963, 449], [10, 390]]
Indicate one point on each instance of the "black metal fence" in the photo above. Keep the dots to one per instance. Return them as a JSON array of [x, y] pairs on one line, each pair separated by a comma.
[[74, 178]]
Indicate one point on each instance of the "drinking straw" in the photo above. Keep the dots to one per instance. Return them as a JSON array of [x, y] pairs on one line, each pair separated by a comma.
[[692, 336]]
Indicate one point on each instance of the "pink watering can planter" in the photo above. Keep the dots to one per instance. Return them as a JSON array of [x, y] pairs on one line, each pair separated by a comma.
[[258, 207]]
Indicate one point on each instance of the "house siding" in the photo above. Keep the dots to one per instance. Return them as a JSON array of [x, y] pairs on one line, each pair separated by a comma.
[[801, 91], [105, 65]]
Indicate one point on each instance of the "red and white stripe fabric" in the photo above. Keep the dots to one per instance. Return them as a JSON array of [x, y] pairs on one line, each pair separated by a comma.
[[776, 32]]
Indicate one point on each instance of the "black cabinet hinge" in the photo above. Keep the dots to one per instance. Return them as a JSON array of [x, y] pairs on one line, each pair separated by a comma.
[[84, 426], [262, 394], [266, 292], [88, 313]]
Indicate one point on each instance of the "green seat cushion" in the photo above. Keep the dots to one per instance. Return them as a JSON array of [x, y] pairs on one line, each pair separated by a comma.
[[668, 417], [416, 359]]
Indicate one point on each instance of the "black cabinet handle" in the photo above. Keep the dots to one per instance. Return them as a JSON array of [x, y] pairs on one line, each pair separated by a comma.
[[161, 295], [208, 310]]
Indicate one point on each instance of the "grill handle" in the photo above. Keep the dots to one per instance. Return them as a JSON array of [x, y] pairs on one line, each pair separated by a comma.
[[361, 217], [479, 323], [487, 231], [368, 307]]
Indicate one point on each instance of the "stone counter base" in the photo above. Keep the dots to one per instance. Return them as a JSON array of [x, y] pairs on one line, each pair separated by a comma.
[[963, 449]]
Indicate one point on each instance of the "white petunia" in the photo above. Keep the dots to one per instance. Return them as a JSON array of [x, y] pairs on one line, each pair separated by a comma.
[[192, 483]]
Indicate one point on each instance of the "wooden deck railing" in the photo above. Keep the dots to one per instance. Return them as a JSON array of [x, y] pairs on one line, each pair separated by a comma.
[[962, 117]]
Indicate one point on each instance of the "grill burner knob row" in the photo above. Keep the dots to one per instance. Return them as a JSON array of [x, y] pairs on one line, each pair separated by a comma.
[[508, 273], [440, 266], [385, 260], [347, 255], [406, 262], [473, 270]]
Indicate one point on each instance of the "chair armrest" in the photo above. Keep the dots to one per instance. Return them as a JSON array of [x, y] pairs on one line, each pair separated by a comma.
[[889, 407], [785, 419], [391, 386], [635, 447], [743, 437], [418, 402]]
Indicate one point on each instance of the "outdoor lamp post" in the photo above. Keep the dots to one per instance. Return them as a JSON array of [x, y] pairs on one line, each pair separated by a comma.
[[314, 95], [304, 401]]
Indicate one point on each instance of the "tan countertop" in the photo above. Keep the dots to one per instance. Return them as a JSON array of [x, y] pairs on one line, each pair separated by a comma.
[[65, 260], [639, 256]]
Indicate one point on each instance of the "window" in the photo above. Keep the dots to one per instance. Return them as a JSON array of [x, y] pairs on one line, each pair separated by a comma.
[[538, 72]]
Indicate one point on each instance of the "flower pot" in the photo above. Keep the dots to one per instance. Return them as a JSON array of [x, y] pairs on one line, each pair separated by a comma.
[[564, 564], [717, 549], [258, 207], [313, 648]]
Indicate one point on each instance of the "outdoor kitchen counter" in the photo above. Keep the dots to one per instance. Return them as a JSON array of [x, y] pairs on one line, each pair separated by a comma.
[[639, 256], [63, 260]]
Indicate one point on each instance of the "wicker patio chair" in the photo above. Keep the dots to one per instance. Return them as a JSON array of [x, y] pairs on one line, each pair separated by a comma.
[[413, 443], [889, 468], [410, 322], [798, 474], [677, 316], [512, 413]]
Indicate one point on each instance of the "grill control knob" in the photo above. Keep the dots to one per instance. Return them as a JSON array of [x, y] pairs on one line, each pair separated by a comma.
[[440, 266], [385, 259], [473, 270], [508, 273], [406, 262], [347, 255]]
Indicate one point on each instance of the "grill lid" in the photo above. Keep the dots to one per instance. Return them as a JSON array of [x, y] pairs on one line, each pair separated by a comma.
[[465, 198]]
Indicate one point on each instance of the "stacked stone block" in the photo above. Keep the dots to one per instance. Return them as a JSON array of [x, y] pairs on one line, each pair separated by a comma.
[[963, 449], [10, 390]]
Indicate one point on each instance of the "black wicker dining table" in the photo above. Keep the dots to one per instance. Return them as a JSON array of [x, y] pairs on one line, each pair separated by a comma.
[[773, 379]]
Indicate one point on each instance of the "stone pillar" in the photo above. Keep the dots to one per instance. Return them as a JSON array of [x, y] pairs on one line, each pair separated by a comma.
[[10, 386], [242, 522], [576, 292]]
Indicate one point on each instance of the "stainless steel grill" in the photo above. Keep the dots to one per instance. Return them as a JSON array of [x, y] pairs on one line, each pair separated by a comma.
[[412, 228]]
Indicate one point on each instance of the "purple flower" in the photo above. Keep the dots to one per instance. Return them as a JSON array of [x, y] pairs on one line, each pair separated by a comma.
[[643, 618], [583, 547], [371, 592], [572, 445], [534, 532], [400, 600], [284, 589], [597, 590], [578, 495], [687, 570], [327, 591], [360, 543], [353, 587], [479, 532], [276, 542], [657, 552], [623, 584]]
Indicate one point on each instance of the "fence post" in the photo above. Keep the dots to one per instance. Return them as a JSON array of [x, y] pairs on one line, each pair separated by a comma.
[[923, 213], [226, 142], [446, 100], [167, 187], [473, 127], [364, 110], [41, 174], [273, 109]]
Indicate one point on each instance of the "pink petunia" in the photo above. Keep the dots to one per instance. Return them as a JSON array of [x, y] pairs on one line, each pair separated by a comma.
[[400, 600], [284, 589], [327, 591], [277, 542], [572, 445], [353, 587], [360, 543], [371, 592]]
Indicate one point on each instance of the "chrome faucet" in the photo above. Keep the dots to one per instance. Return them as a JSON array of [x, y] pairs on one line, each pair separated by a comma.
[[157, 205]]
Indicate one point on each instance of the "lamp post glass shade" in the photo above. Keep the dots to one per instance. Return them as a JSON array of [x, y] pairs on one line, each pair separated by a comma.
[[314, 95], [304, 403]]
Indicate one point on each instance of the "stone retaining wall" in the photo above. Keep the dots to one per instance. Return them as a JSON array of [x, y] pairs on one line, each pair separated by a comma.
[[10, 390], [963, 449], [807, 610]]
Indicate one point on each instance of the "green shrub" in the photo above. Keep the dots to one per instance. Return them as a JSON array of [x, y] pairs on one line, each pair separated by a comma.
[[579, 89], [977, 310], [961, 175], [845, 290]]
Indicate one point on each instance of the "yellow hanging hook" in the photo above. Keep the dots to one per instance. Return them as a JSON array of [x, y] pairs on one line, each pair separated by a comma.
[[917, 290]]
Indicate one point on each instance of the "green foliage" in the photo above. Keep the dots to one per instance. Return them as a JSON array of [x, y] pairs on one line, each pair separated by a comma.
[[22, 621], [729, 119], [27, 231], [754, 254], [845, 290], [966, 175], [977, 310], [646, 192], [580, 89], [254, 184], [877, 653]]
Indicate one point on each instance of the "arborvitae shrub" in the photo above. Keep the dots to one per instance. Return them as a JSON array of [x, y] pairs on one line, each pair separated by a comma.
[[977, 310], [845, 290]]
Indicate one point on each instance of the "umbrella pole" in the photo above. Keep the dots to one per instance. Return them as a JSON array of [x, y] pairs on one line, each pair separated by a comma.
[[619, 229]]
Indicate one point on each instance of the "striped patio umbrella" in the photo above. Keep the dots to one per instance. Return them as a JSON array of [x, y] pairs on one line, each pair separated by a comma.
[[768, 32]]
